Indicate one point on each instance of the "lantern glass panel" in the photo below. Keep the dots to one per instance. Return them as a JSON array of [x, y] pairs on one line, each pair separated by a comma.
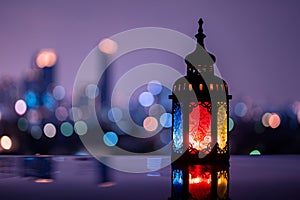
[[222, 184], [177, 128], [222, 126], [199, 182], [200, 127]]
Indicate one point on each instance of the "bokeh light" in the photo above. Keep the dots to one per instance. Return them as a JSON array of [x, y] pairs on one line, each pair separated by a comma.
[[231, 123], [92, 91], [240, 109], [150, 124], [156, 110], [44, 180], [31, 99], [49, 130], [146, 99], [80, 127], [61, 113], [6, 142], [274, 120], [22, 124], [66, 129], [20, 107], [48, 100], [36, 132], [255, 153], [110, 138], [108, 46], [46, 58], [166, 120], [154, 87], [59, 92], [34, 116], [265, 119], [115, 114]]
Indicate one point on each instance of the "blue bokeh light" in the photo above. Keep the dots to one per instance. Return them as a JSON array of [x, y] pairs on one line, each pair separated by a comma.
[[166, 120], [110, 138], [48, 100], [240, 109], [115, 114], [31, 99], [154, 87], [146, 99]]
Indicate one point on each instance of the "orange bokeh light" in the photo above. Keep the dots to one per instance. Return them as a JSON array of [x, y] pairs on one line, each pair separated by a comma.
[[46, 58]]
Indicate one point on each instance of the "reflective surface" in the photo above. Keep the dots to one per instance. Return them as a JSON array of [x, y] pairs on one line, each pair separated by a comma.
[[67, 177]]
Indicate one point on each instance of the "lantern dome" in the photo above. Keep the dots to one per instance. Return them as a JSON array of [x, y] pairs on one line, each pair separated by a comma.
[[200, 58]]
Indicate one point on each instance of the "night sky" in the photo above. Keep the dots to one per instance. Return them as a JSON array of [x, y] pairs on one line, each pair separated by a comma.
[[256, 42]]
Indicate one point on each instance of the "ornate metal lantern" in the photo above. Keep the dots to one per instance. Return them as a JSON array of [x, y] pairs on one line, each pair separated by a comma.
[[200, 110], [200, 182]]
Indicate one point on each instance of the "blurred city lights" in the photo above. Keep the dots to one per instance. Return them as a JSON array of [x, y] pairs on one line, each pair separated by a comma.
[[110, 138], [48, 100], [150, 124], [108, 46], [31, 99], [22, 124], [6, 142], [33, 116], [255, 153], [59, 92], [146, 99], [154, 87], [20, 107], [42, 180], [231, 124], [156, 110], [46, 58], [274, 120], [61, 113], [166, 120], [240, 109], [36, 132], [49, 130], [265, 119], [66, 129], [80, 127], [115, 114], [92, 91]]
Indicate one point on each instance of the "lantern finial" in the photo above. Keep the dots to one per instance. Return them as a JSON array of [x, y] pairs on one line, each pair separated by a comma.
[[200, 35]]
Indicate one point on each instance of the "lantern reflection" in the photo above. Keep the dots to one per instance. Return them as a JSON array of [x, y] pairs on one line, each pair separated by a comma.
[[200, 182]]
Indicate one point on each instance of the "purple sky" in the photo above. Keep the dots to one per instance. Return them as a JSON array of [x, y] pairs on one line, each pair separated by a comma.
[[256, 42]]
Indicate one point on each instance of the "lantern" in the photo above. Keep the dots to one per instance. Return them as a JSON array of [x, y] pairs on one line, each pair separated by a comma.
[[200, 110], [200, 182]]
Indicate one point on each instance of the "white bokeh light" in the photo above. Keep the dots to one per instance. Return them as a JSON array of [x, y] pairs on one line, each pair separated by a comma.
[[20, 107], [49, 130]]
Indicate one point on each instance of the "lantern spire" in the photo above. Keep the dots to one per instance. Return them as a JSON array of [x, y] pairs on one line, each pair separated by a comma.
[[200, 35]]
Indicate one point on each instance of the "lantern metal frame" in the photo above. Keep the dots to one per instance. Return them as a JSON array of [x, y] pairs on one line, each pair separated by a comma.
[[205, 96]]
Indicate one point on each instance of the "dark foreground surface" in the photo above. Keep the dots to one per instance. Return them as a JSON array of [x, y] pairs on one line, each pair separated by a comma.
[[68, 177]]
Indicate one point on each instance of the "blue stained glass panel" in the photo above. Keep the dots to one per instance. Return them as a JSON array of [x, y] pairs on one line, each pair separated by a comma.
[[177, 183], [177, 129]]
